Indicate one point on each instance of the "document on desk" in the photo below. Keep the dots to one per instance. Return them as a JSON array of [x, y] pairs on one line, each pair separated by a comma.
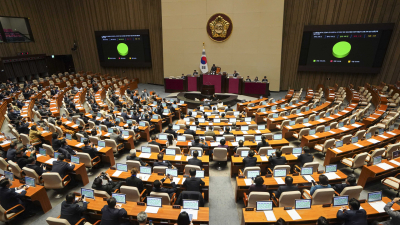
[[378, 206], [248, 123], [270, 215], [293, 214], [300, 114], [248, 182], [19, 191], [178, 157], [343, 128], [145, 155], [107, 135], [68, 122], [332, 132], [244, 132], [210, 124], [289, 127], [336, 150], [143, 177], [394, 162], [258, 132], [385, 166], [79, 145], [307, 124], [356, 125], [191, 211], [189, 143], [373, 141], [99, 148], [309, 178], [151, 209], [188, 157], [116, 173], [314, 136], [279, 180], [331, 118], [331, 176], [234, 144], [321, 120], [183, 180], [358, 145], [214, 144], [176, 180], [391, 133], [264, 158], [50, 161], [382, 136]]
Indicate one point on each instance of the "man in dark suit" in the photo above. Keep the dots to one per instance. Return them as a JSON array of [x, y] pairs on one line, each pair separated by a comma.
[[154, 142], [111, 213], [70, 210], [161, 162], [133, 181], [189, 131], [32, 165], [170, 131], [350, 181], [288, 187], [125, 115], [89, 149], [13, 116], [133, 157], [201, 144], [250, 160], [277, 159], [9, 198], [248, 79], [235, 74], [12, 151], [195, 161], [192, 183], [229, 109], [157, 186], [108, 123], [66, 149], [213, 69], [55, 143], [109, 186], [21, 159], [263, 143], [305, 157], [62, 167], [265, 79], [354, 215], [82, 131]]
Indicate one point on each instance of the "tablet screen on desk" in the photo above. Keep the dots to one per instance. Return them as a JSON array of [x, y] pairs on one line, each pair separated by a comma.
[[375, 196], [354, 139], [75, 159], [154, 201], [122, 167], [146, 149], [302, 203], [312, 132], [292, 123], [368, 135], [263, 205], [193, 128], [89, 193], [121, 198], [145, 169], [306, 171], [142, 124], [327, 128], [340, 200], [199, 173], [339, 144], [68, 136], [253, 173], [280, 173], [190, 204], [377, 160], [170, 151], [172, 172]]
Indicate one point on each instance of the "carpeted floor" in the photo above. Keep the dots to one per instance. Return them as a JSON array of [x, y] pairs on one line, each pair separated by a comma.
[[223, 208]]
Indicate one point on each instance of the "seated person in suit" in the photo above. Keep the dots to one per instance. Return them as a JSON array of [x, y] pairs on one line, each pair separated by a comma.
[[265, 79], [71, 210], [288, 187], [189, 131], [195, 161], [229, 109], [195, 72], [181, 120], [250, 160], [183, 76], [56, 144], [222, 144], [108, 123], [170, 131], [89, 149], [235, 74], [263, 143], [248, 79], [354, 215], [111, 213], [161, 162], [66, 150], [61, 167], [227, 130], [240, 144], [117, 137], [157, 186], [278, 159], [213, 69], [305, 156], [350, 181], [10, 198], [322, 221], [210, 132], [153, 141], [103, 182], [197, 143], [38, 169], [142, 218], [82, 131], [323, 183], [192, 183], [22, 159], [258, 185], [133, 157], [125, 115], [133, 181]]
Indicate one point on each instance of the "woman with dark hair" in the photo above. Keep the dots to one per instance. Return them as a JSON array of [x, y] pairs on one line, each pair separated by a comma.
[[184, 219], [263, 143], [258, 185], [323, 183]]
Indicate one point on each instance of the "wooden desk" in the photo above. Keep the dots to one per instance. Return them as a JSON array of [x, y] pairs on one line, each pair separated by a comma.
[[178, 163], [376, 116], [37, 193], [106, 153], [241, 106], [309, 216], [234, 132], [251, 110], [349, 150], [158, 124], [272, 185], [129, 140], [260, 117], [374, 172], [167, 182]]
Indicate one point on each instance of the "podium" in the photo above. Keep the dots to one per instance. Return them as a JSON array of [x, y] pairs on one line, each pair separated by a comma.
[[208, 90]]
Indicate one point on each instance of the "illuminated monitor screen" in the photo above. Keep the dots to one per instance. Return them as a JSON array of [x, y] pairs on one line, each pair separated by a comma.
[[377, 160], [263, 109], [374, 196], [291, 123], [236, 113], [380, 131], [42, 151], [194, 114], [263, 205], [56, 154], [297, 151], [273, 108], [30, 181], [121, 198], [368, 135], [219, 138], [306, 120], [244, 153], [317, 117], [187, 119], [142, 124], [176, 127], [155, 117], [232, 120], [258, 138], [89, 193], [110, 130], [354, 139], [9, 175], [339, 144], [270, 152], [129, 121], [154, 201], [118, 120], [277, 136], [341, 124], [200, 173], [331, 168], [217, 120], [75, 159], [190, 204], [145, 169], [275, 115], [170, 151], [238, 138], [193, 128], [101, 144], [302, 203], [306, 171], [327, 128], [181, 138], [122, 167], [146, 149], [247, 119], [279, 173], [83, 139], [340, 200], [352, 121], [391, 127], [166, 111], [162, 137], [202, 120], [244, 128], [98, 114], [68, 136], [172, 172], [253, 173], [261, 127]]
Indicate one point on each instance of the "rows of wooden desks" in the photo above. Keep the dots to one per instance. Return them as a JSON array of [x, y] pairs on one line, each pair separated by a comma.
[[287, 131], [375, 172], [310, 216], [165, 215], [261, 116], [241, 106], [376, 116], [106, 153], [154, 176], [336, 154], [46, 135], [250, 111], [243, 184]]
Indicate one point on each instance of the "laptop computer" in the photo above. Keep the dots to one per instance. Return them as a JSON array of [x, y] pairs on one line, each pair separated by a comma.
[[145, 169], [352, 121], [264, 205], [244, 128], [154, 201], [339, 144], [56, 154], [253, 173], [280, 173], [75, 159], [341, 200], [142, 124], [377, 160], [354, 139], [292, 123], [68, 136], [306, 120], [88, 193], [162, 137], [172, 172], [101, 144], [122, 167], [312, 132], [170, 151], [270, 152], [302, 203], [181, 138], [332, 168], [374, 196], [244, 153], [121, 198], [30, 181], [42, 151], [297, 151], [145, 149], [238, 138], [190, 204], [277, 136], [306, 171], [9, 175], [341, 124], [199, 173], [261, 127], [327, 128], [368, 135]]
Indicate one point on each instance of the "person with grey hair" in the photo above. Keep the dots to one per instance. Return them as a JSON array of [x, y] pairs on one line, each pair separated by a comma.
[[142, 218]]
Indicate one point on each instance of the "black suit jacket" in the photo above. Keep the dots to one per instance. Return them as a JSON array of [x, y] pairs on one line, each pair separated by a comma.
[[155, 143], [277, 160], [195, 161], [339, 187], [135, 159], [84, 133], [39, 170], [135, 182], [305, 158], [56, 144], [108, 124], [192, 132], [10, 198], [353, 217], [72, 212], [193, 184], [259, 145], [285, 188], [125, 116], [169, 191], [249, 161], [111, 216], [164, 163], [91, 151], [171, 132], [62, 168]]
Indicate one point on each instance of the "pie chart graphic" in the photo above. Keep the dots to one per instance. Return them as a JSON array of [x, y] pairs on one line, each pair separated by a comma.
[[122, 49], [341, 49]]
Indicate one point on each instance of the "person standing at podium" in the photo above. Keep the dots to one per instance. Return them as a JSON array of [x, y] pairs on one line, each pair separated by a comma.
[[195, 73], [265, 79], [213, 69], [248, 79], [183, 76], [235, 74]]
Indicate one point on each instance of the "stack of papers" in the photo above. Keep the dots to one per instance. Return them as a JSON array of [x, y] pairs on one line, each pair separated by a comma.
[[385, 166], [116, 173], [358, 145], [373, 141], [331, 176], [248, 182], [270, 215], [244, 132], [382, 136], [293, 214], [307, 124], [79, 145], [321, 120], [210, 124], [192, 212], [308, 178], [289, 127], [176, 180], [258, 132], [264, 158], [343, 128], [314, 136], [99, 148], [50, 161], [336, 150], [19, 191], [394, 162], [332, 132], [151, 209], [279, 180], [214, 144], [178, 157], [234, 144], [345, 111], [188, 157], [145, 155], [144, 177], [356, 125], [391, 133], [378, 206]]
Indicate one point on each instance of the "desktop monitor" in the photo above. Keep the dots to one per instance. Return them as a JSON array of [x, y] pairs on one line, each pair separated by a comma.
[[101, 144], [377, 160], [341, 124], [374, 196], [193, 128], [42, 151], [306, 120], [270, 152], [208, 113], [282, 106], [115, 108], [302, 203], [170, 151], [332, 168], [165, 111], [232, 120], [354, 139], [177, 127], [181, 138], [247, 119], [162, 137], [396, 154], [164, 104], [258, 138], [368, 135], [238, 138], [253, 173], [312, 132], [262, 109], [317, 118], [194, 114], [275, 115], [9, 175], [290, 103], [202, 120], [99, 115], [327, 114], [198, 151], [391, 127], [83, 139], [244, 153], [277, 136], [190, 204], [298, 111], [327, 128], [306, 171], [244, 128], [154, 117], [88, 193], [236, 113], [292, 123], [110, 130], [273, 107], [381, 131], [172, 172], [218, 138], [142, 124], [145, 169], [280, 173], [118, 120], [154, 201], [129, 122], [297, 151], [217, 120], [307, 108], [121, 198], [122, 167], [261, 127], [201, 108], [146, 149], [264, 205], [56, 154], [352, 121], [30, 181], [181, 102], [341, 200], [75, 159], [77, 122], [68, 136], [339, 144], [199, 173]]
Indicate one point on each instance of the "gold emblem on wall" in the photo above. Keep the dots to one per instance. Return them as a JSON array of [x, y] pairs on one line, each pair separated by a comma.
[[219, 27]]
